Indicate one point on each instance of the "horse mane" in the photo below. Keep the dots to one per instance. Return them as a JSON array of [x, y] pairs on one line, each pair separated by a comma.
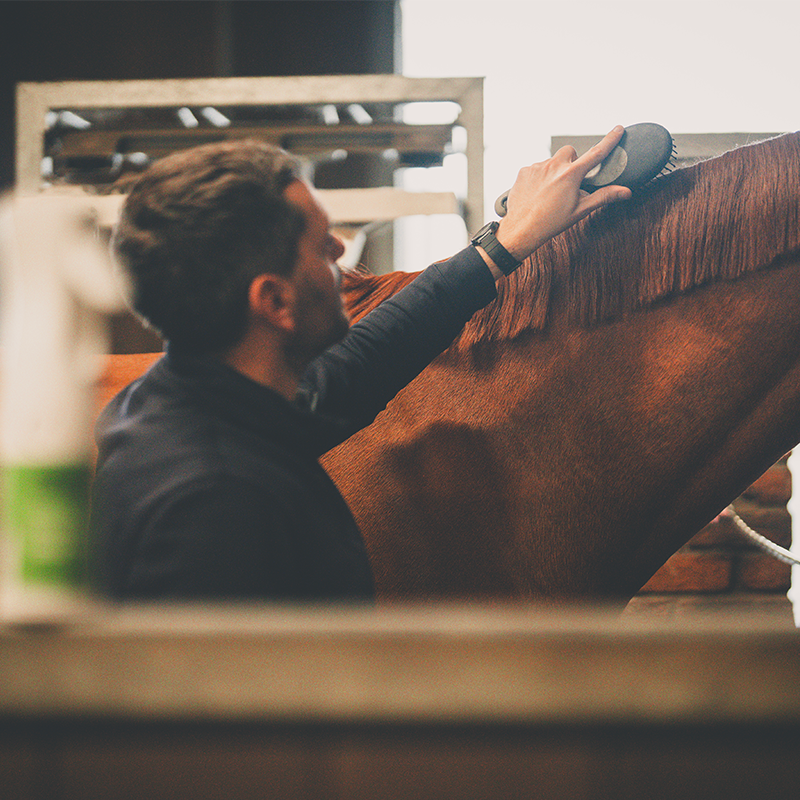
[[364, 291], [716, 220]]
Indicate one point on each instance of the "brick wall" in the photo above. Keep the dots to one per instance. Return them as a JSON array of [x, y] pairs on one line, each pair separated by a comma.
[[720, 567]]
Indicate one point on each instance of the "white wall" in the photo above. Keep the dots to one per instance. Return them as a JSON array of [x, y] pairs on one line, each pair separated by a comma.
[[556, 68]]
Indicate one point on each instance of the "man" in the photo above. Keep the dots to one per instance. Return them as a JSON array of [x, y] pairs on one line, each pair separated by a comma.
[[208, 484]]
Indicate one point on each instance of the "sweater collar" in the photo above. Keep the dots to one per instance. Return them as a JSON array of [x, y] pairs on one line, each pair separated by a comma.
[[232, 395]]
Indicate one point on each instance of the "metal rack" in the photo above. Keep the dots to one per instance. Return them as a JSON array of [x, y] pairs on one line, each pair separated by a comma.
[[38, 101]]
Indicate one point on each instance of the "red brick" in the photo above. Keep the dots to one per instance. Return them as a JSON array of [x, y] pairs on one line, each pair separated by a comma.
[[693, 571], [717, 534], [774, 523], [762, 572]]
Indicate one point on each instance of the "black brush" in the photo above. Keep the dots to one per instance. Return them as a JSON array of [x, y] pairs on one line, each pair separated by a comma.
[[644, 151]]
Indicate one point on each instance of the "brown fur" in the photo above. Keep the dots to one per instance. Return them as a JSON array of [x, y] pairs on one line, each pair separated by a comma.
[[636, 377]]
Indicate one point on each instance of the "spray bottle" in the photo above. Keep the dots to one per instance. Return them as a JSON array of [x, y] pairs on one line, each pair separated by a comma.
[[58, 287]]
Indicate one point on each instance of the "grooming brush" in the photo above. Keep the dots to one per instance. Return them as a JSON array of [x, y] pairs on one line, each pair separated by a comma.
[[644, 151]]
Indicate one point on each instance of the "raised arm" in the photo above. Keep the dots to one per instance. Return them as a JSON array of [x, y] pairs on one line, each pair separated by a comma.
[[355, 379]]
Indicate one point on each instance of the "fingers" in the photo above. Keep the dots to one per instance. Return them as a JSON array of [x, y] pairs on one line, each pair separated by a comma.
[[593, 156], [565, 153], [546, 198], [610, 194], [566, 158], [603, 197]]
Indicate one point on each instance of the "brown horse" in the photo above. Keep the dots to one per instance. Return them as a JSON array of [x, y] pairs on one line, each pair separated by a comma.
[[632, 379], [635, 377]]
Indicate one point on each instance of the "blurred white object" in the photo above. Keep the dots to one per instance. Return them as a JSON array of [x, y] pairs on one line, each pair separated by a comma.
[[58, 288]]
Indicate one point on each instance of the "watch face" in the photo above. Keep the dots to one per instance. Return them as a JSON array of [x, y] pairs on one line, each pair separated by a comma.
[[504, 261], [487, 230]]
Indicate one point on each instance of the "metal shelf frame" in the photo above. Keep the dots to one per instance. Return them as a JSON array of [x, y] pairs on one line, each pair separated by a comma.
[[34, 100]]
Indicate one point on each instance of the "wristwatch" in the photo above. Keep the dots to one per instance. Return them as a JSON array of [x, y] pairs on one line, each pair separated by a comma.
[[485, 237]]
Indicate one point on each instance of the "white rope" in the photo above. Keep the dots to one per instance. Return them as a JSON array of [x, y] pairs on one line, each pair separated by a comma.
[[775, 550]]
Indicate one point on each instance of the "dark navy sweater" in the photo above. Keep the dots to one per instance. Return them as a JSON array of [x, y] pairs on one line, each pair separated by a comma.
[[208, 484]]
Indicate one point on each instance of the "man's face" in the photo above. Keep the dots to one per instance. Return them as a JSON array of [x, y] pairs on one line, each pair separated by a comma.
[[320, 316]]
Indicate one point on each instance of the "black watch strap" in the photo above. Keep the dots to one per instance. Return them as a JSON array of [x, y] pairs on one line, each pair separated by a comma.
[[485, 237]]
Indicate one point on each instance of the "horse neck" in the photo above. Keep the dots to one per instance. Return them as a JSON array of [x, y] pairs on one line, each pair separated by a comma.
[[659, 418], [622, 421]]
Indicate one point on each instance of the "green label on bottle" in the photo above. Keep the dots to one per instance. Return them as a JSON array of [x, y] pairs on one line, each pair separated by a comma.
[[45, 511]]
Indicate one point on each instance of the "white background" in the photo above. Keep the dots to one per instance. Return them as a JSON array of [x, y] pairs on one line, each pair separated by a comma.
[[555, 68]]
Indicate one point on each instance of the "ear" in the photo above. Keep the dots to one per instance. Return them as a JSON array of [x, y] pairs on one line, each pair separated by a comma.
[[271, 298]]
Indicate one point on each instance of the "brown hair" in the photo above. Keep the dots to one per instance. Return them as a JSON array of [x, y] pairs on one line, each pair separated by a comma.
[[197, 227]]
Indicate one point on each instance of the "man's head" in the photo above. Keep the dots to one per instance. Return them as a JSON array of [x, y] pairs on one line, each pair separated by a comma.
[[198, 227]]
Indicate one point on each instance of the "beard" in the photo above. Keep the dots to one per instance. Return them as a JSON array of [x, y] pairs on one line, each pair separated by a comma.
[[321, 322]]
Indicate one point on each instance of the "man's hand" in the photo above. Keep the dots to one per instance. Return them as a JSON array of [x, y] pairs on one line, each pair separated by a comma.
[[546, 198]]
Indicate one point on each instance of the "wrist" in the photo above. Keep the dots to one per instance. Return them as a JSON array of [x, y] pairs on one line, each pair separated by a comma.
[[492, 267], [518, 245], [487, 243]]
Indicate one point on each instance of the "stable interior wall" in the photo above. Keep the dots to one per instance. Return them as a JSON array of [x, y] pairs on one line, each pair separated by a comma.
[[140, 39]]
